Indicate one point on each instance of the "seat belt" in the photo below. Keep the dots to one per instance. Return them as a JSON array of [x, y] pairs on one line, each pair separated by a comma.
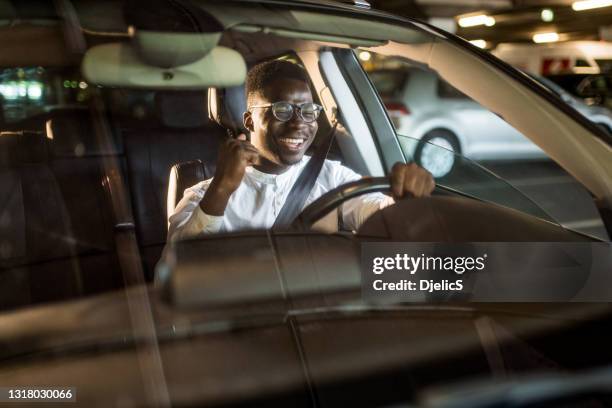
[[303, 185]]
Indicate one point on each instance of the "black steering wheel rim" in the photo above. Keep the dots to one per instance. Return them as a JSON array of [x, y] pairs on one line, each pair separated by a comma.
[[323, 205], [334, 198]]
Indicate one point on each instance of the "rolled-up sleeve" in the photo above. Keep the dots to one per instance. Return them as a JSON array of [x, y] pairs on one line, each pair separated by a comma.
[[188, 220], [357, 210]]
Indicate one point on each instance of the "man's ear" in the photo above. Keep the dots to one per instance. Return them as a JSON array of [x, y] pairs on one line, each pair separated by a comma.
[[247, 121]]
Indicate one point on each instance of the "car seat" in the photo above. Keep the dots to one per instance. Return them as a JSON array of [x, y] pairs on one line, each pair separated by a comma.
[[55, 218], [225, 107], [181, 132]]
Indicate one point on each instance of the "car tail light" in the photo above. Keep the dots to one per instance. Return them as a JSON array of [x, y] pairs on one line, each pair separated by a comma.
[[397, 107]]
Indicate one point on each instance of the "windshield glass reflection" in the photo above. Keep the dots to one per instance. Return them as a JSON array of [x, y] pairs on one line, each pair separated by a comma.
[[455, 172]]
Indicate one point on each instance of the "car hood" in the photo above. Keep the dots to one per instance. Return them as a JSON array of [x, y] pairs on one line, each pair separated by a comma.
[[216, 355]]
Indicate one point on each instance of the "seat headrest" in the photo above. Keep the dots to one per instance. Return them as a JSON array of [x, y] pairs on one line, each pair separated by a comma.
[[226, 106], [181, 109], [75, 133], [22, 147]]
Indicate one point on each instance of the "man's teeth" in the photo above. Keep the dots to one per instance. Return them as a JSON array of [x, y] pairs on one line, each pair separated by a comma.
[[292, 141]]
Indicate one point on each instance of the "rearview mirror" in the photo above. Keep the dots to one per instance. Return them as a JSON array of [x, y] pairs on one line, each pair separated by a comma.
[[120, 65]]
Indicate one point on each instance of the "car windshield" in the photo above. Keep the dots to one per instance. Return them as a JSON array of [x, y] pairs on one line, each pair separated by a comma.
[[472, 150], [115, 126], [458, 173]]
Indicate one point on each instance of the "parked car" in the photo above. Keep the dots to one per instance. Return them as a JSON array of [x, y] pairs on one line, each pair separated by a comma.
[[272, 317], [594, 90], [426, 108], [577, 57], [597, 114]]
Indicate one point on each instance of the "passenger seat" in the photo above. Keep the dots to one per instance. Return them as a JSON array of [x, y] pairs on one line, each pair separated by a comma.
[[36, 251], [56, 239]]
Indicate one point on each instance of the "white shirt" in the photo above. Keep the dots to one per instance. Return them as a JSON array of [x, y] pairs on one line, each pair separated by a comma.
[[259, 198]]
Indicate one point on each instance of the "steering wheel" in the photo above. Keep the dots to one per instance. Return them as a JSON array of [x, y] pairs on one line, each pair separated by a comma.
[[323, 205], [334, 198], [454, 217]]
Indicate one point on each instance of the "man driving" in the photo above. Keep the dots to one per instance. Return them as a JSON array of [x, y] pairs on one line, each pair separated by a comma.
[[253, 179]]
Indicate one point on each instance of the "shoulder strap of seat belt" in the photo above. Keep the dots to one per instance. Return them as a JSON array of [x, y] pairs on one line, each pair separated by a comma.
[[303, 185]]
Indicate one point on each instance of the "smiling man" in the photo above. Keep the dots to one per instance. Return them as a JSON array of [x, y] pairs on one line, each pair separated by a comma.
[[253, 179]]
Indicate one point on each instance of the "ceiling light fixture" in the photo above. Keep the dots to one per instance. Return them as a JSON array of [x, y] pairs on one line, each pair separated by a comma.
[[479, 43], [545, 37], [472, 21], [590, 4], [365, 56], [547, 15]]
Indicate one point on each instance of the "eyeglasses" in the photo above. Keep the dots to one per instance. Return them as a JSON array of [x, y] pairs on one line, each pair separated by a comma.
[[283, 111]]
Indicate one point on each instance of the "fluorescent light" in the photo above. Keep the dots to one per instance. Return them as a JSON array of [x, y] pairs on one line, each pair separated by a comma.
[[479, 43], [480, 19], [365, 56], [35, 91], [545, 37], [590, 4], [10, 91], [547, 15]]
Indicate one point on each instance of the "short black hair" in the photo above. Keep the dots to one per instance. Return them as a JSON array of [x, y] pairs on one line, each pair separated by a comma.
[[263, 74]]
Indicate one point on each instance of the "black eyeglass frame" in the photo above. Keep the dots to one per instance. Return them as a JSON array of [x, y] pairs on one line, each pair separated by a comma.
[[294, 107]]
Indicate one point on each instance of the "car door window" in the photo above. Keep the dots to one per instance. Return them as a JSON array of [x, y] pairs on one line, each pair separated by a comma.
[[472, 150]]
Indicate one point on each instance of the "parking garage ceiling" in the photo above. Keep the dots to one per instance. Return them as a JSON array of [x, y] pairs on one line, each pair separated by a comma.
[[515, 20]]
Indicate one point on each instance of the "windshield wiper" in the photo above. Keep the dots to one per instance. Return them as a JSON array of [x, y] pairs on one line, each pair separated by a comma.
[[523, 392]]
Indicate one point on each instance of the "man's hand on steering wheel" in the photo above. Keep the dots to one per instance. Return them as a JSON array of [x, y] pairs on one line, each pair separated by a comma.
[[412, 180]]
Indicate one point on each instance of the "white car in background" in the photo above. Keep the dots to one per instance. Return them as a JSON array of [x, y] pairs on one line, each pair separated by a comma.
[[595, 113], [428, 111]]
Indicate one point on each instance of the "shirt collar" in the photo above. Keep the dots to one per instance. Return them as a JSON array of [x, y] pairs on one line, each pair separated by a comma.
[[267, 178]]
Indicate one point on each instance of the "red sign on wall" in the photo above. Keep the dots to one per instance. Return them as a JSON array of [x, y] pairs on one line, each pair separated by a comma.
[[555, 65]]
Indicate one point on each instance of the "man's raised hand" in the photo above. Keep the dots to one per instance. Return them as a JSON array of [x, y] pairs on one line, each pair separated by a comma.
[[234, 157]]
